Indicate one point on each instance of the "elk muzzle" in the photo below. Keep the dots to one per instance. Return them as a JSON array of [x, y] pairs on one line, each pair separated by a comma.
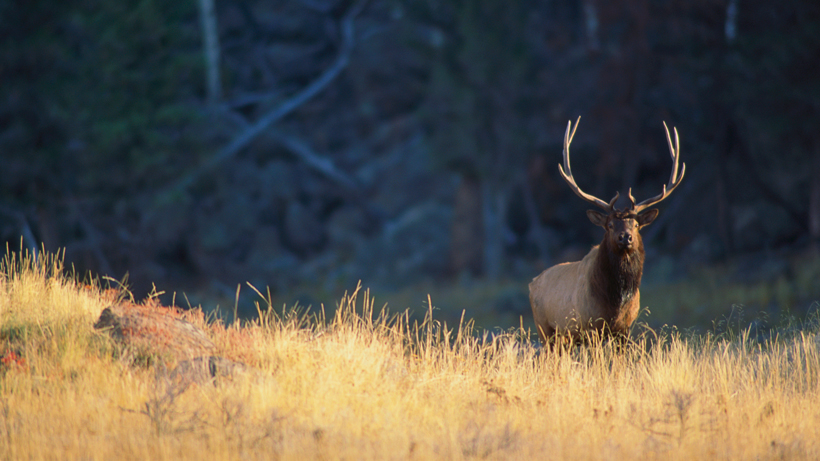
[[624, 240]]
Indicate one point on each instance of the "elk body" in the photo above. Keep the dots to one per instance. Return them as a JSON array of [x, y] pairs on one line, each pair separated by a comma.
[[600, 293]]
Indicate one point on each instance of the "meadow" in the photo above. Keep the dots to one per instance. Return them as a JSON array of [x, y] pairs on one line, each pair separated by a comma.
[[364, 383]]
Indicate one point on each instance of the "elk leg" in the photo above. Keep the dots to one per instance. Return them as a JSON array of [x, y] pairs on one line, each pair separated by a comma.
[[547, 333]]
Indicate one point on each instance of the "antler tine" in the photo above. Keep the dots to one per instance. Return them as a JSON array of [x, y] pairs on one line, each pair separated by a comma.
[[614, 199], [631, 198], [674, 179], [570, 179]]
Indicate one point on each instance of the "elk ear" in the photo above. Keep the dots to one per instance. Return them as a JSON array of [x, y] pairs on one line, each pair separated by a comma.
[[597, 218], [646, 217]]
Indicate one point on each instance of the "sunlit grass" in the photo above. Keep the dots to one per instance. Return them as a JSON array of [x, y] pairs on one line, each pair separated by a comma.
[[366, 384]]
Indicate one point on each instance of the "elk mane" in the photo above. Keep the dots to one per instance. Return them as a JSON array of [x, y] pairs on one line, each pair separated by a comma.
[[600, 292], [616, 277]]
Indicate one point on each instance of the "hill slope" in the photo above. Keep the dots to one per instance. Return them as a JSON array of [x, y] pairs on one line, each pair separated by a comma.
[[368, 385]]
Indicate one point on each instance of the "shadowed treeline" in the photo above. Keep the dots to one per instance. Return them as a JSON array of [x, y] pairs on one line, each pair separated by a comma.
[[197, 145]]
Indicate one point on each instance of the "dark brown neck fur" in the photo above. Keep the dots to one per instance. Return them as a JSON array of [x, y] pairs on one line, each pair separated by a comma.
[[617, 276]]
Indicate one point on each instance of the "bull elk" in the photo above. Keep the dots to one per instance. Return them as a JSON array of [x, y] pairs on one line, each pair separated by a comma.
[[600, 293]]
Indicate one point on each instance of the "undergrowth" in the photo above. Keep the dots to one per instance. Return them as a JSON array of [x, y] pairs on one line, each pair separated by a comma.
[[365, 383]]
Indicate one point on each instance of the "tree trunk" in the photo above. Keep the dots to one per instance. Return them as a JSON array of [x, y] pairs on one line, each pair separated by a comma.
[[591, 25], [494, 211], [466, 248], [210, 43]]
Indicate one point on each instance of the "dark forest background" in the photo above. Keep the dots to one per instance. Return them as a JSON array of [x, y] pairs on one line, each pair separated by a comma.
[[304, 145]]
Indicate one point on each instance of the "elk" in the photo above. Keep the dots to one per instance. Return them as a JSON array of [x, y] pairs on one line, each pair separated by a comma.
[[600, 293]]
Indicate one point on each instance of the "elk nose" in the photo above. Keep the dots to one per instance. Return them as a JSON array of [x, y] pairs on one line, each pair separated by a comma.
[[625, 238]]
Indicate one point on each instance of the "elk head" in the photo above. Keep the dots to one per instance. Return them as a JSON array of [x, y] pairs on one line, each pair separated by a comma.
[[622, 226]]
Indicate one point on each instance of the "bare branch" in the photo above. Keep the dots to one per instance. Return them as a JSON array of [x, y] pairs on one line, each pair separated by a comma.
[[323, 165], [288, 106], [249, 98]]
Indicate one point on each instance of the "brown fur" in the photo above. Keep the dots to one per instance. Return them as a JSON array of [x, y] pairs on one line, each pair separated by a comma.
[[599, 293]]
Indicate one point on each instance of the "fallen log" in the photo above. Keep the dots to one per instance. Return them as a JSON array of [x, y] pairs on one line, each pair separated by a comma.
[[155, 331]]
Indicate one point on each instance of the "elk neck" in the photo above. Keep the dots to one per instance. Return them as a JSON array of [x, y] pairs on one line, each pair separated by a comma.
[[617, 275]]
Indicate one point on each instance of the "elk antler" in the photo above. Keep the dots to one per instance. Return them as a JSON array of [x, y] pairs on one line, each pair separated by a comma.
[[571, 180], [674, 179]]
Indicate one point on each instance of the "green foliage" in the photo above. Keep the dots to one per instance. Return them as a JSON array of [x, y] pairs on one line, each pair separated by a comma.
[[479, 88], [112, 81], [768, 300]]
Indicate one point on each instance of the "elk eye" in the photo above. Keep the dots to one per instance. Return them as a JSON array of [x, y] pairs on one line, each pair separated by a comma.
[[610, 225]]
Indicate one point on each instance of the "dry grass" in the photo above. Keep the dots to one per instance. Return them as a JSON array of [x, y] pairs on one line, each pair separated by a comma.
[[367, 385]]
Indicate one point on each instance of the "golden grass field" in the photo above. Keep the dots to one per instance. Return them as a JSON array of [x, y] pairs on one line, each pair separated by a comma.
[[365, 384]]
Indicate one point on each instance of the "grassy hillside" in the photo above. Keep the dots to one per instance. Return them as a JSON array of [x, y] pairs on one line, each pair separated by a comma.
[[366, 384]]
